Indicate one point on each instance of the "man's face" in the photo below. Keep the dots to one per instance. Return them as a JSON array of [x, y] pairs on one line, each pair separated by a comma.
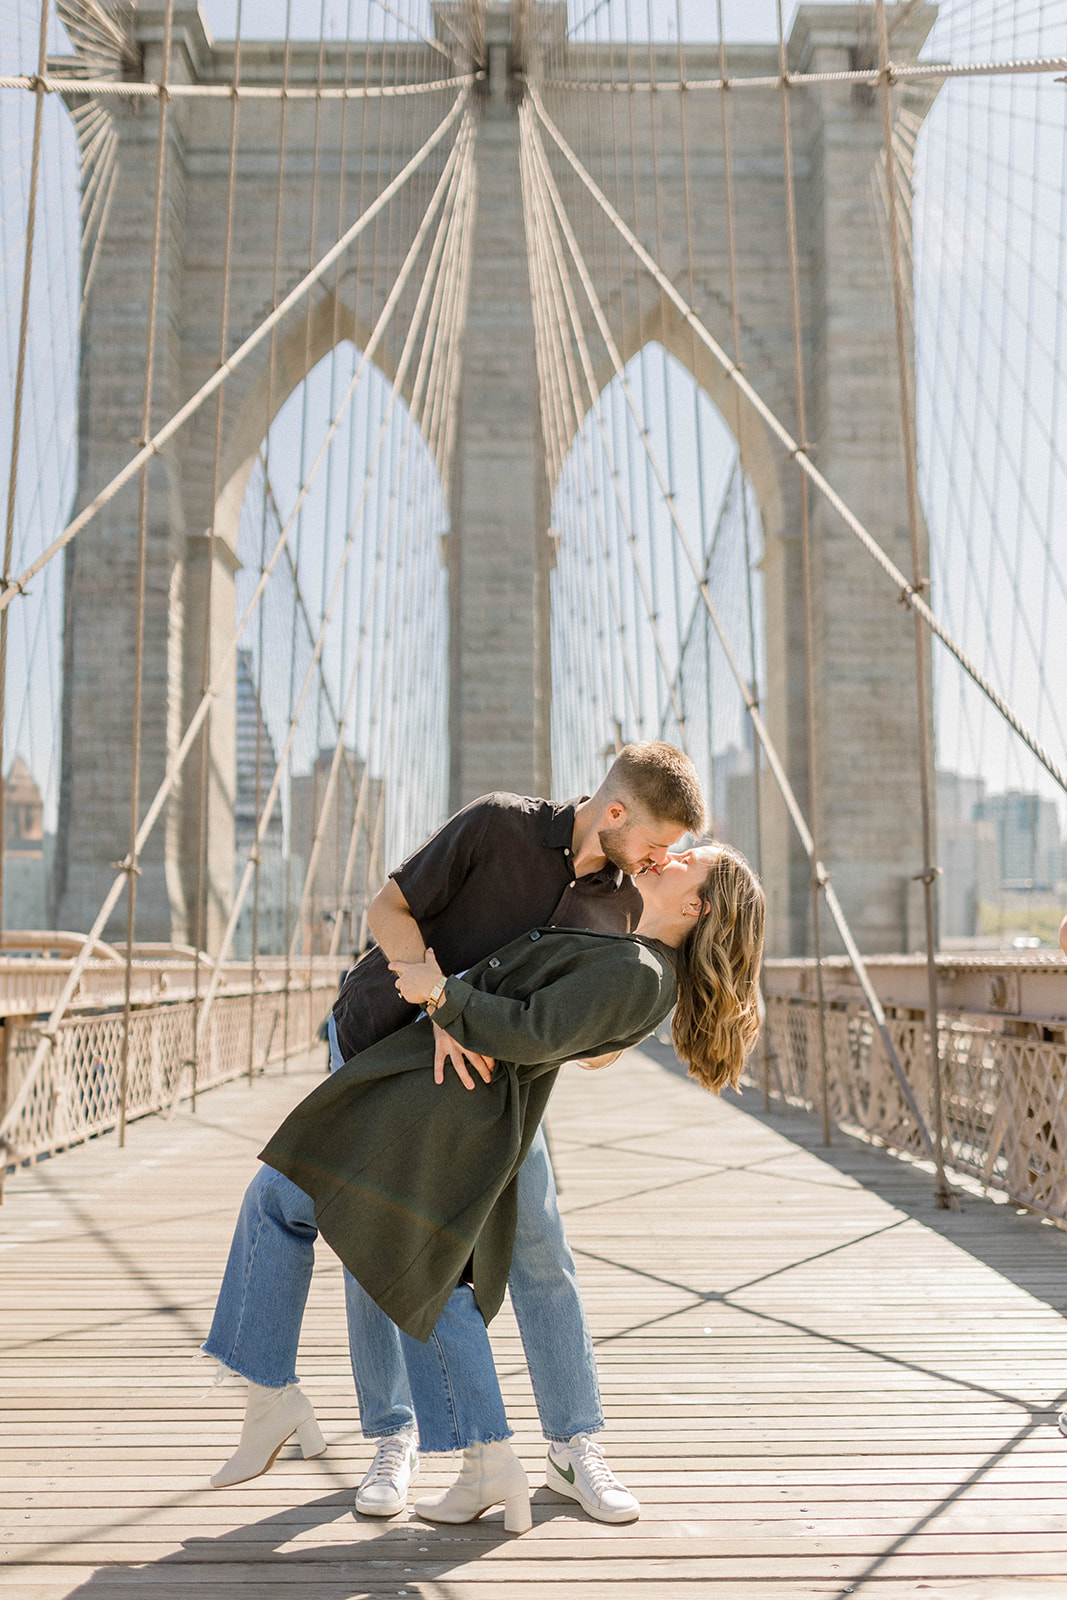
[[636, 843]]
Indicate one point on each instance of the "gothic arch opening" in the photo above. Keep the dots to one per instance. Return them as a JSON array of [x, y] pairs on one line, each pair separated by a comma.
[[634, 652], [346, 650]]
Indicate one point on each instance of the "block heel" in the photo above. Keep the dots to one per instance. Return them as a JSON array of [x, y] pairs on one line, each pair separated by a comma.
[[309, 1437]]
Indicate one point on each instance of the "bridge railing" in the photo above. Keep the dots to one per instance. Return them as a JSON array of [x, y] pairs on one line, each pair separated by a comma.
[[78, 1092], [1002, 1037]]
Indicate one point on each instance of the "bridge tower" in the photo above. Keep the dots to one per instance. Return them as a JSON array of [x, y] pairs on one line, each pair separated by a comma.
[[499, 550]]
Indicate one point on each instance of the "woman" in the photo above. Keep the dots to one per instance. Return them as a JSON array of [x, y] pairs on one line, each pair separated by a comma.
[[413, 1183]]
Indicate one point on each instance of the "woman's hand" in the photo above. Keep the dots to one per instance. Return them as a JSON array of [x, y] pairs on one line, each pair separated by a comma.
[[594, 1063], [415, 979]]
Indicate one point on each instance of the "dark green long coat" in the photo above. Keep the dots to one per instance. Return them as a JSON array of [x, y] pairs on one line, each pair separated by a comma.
[[411, 1179]]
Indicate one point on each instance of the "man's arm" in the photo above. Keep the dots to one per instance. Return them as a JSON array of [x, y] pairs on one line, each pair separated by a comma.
[[389, 919], [392, 924]]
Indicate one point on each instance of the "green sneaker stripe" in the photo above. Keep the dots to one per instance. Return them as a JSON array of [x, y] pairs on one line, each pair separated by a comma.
[[568, 1475]]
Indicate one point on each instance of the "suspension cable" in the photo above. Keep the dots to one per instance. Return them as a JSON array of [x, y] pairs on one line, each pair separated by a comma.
[[930, 870], [814, 796], [16, 412], [192, 405], [907, 592], [177, 762], [130, 866], [775, 764]]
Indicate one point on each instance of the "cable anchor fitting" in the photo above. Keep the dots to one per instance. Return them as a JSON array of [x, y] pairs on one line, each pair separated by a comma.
[[912, 591], [931, 875]]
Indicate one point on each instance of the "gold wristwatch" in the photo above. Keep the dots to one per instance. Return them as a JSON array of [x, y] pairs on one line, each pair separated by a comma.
[[433, 999]]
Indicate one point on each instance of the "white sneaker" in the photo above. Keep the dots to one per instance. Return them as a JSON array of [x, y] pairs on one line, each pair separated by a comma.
[[578, 1470], [384, 1490]]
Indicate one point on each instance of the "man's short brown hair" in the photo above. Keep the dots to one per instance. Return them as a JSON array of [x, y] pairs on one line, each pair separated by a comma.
[[662, 780]]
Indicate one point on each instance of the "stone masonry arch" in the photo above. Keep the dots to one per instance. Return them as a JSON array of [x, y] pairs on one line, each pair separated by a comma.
[[499, 552]]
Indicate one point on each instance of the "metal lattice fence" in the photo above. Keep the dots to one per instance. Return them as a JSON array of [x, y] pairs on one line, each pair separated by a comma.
[[78, 1091], [1004, 1083]]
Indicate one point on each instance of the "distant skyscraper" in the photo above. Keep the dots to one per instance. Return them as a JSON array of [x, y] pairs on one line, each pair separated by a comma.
[[1027, 831], [355, 797], [27, 851], [966, 854], [256, 755]]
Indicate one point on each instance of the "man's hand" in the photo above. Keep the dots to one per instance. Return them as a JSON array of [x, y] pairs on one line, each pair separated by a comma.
[[415, 979], [445, 1048]]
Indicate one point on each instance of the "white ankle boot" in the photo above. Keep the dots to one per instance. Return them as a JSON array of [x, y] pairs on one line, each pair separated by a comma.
[[491, 1473], [271, 1417]]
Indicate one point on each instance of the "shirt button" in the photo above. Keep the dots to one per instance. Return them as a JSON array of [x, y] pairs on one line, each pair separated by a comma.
[[535, 934], [494, 962], [566, 852]]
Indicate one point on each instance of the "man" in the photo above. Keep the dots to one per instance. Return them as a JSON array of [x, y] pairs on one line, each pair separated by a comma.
[[501, 867]]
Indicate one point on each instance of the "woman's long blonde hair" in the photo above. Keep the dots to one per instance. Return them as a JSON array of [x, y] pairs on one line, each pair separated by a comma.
[[716, 1019]]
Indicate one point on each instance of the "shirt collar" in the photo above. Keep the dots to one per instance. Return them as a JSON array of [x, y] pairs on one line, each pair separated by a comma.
[[558, 827], [558, 832]]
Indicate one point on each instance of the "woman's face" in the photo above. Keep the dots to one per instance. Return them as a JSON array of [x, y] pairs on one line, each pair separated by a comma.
[[675, 889]]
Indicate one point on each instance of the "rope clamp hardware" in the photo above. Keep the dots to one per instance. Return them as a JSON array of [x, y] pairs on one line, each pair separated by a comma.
[[931, 875], [126, 866]]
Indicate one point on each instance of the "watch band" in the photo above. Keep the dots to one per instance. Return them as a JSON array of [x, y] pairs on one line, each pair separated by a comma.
[[433, 999]]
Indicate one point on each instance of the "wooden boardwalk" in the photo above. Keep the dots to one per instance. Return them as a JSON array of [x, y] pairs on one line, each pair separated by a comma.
[[817, 1384]]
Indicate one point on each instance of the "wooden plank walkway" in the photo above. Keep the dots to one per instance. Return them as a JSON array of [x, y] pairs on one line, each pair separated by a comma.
[[817, 1383]]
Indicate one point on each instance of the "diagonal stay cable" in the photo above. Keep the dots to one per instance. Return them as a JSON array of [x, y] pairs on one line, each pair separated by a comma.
[[777, 769], [448, 178], [219, 376], [541, 185], [453, 225], [908, 594], [178, 760]]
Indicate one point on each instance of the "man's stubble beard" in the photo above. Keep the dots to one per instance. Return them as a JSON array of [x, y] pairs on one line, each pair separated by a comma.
[[613, 843]]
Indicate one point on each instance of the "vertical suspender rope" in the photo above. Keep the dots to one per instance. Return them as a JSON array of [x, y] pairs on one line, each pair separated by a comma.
[[279, 211], [735, 330], [154, 445], [556, 312], [316, 147], [929, 873], [199, 936], [384, 318], [544, 185], [773, 760], [20, 387], [177, 761], [814, 807], [131, 866], [340, 755], [445, 233], [549, 322], [906, 590]]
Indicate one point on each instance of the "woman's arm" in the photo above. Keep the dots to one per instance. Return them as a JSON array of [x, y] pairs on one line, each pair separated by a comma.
[[615, 992]]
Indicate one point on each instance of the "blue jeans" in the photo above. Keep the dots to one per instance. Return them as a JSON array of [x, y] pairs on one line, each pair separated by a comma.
[[547, 1305], [256, 1327]]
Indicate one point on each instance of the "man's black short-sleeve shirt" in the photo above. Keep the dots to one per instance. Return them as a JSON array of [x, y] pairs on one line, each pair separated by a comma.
[[497, 868]]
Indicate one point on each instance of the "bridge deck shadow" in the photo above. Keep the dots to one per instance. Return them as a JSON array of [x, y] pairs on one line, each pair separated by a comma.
[[816, 1383]]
